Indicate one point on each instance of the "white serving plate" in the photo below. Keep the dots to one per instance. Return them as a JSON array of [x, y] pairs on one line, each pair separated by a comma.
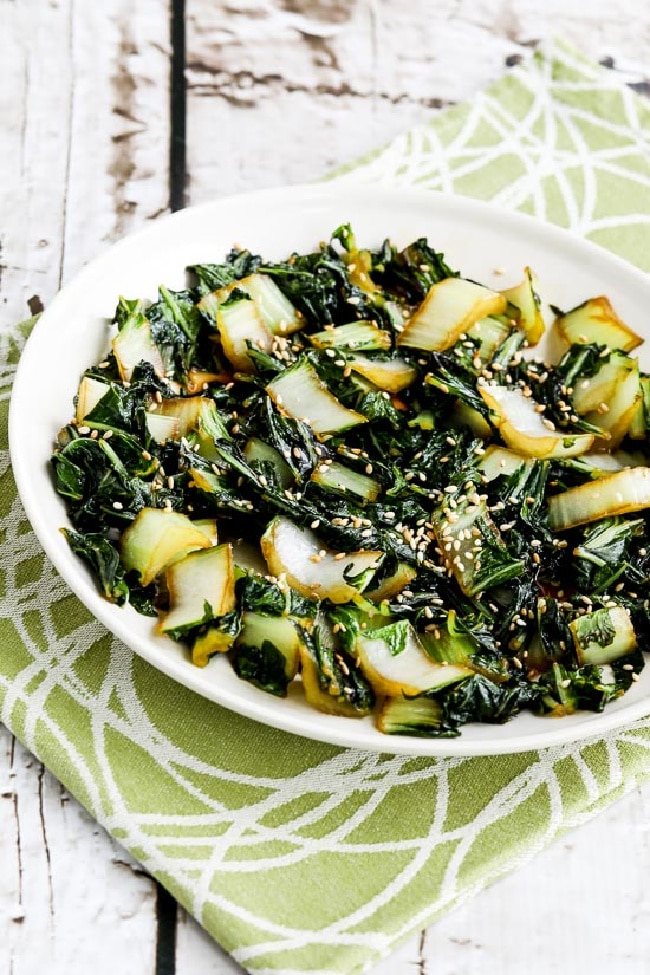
[[476, 238]]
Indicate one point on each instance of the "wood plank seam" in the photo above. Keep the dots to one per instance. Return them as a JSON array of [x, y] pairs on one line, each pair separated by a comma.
[[178, 109]]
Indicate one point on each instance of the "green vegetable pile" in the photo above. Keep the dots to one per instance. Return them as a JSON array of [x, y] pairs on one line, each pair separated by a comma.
[[345, 472]]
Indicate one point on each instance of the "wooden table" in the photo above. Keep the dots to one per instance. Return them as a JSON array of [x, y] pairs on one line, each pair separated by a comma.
[[111, 114]]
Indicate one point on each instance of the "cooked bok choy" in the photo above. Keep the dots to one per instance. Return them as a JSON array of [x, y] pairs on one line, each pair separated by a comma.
[[349, 472]]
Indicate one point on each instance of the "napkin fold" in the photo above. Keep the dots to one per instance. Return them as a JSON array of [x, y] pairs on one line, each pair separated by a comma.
[[298, 856]]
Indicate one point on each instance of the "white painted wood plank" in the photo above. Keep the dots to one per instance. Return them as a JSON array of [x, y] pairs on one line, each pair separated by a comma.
[[35, 110], [71, 900], [282, 92], [85, 131]]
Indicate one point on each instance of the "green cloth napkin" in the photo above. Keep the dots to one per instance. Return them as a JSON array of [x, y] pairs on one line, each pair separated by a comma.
[[297, 856]]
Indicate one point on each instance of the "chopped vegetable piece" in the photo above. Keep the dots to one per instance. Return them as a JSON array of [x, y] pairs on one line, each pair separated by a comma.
[[450, 308], [392, 584], [91, 391], [297, 555], [524, 429], [268, 651], [615, 417], [156, 538], [331, 678], [393, 375], [603, 636], [207, 644], [617, 494], [410, 716], [163, 428], [489, 333], [277, 312], [186, 410], [134, 344], [500, 462], [241, 328], [339, 478], [525, 298], [472, 547], [395, 662], [257, 452], [201, 588], [357, 336], [590, 392], [596, 321], [300, 393]]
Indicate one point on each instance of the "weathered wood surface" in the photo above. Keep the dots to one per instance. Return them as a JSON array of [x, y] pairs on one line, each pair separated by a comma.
[[278, 91], [284, 91], [85, 133]]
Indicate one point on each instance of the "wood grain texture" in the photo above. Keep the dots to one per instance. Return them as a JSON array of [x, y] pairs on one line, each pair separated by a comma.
[[84, 110], [278, 91], [69, 896], [85, 131], [282, 91]]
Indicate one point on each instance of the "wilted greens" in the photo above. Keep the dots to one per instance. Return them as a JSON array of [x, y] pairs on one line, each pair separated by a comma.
[[347, 472]]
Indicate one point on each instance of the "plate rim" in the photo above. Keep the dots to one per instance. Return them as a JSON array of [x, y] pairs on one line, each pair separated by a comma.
[[267, 712]]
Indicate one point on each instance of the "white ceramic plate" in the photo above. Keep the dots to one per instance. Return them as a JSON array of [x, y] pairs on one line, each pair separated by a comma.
[[74, 332]]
